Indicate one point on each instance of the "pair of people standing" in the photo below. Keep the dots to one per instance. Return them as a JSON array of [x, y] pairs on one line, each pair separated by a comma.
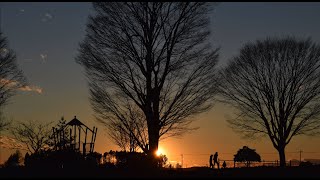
[[215, 160]]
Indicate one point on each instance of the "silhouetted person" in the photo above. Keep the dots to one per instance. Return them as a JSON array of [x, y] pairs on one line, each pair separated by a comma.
[[210, 161], [215, 159], [224, 165]]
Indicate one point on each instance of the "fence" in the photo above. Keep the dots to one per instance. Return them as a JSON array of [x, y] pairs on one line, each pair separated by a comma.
[[202, 160]]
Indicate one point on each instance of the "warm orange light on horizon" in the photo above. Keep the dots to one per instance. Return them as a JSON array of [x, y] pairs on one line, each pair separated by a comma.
[[160, 151]]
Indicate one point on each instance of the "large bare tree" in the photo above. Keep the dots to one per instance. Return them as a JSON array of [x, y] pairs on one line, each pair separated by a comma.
[[275, 86], [155, 56], [11, 77]]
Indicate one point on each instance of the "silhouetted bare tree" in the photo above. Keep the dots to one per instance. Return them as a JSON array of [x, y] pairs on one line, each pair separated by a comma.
[[4, 123], [36, 136], [11, 77], [155, 56], [275, 86], [124, 132]]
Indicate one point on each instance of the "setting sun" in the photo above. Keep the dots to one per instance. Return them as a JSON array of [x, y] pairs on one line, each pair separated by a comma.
[[160, 151]]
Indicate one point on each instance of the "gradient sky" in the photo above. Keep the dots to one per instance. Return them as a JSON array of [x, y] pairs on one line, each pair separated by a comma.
[[45, 37]]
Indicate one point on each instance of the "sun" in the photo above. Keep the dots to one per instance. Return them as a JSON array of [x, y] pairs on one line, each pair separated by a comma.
[[160, 151]]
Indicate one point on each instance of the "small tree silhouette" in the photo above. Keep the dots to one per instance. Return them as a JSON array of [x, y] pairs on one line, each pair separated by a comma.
[[14, 160], [247, 155], [163, 159]]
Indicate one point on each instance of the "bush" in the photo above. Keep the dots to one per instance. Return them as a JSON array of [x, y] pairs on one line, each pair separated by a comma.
[[14, 160], [66, 159], [247, 155], [305, 164]]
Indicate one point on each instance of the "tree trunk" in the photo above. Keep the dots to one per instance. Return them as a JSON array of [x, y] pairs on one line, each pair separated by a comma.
[[153, 146], [282, 155], [153, 134]]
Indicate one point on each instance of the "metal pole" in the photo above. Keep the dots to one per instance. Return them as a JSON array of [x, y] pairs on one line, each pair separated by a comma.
[[182, 160]]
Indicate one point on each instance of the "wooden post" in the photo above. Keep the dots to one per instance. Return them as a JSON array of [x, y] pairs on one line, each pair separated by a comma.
[[70, 137], [61, 140], [79, 137], [63, 137], [75, 137], [94, 140], [91, 139], [85, 142]]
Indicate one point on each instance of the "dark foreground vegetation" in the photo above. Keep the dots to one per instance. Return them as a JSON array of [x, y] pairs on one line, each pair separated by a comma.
[[194, 172]]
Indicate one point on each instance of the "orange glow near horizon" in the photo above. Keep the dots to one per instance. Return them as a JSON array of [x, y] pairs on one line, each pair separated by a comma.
[[160, 151]]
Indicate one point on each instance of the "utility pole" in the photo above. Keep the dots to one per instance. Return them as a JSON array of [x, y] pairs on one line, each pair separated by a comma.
[[300, 154], [182, 160]]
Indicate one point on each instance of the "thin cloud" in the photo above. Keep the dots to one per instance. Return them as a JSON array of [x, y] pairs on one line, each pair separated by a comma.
[[11, 143], [20, 12], [8, 82], [31, 88], [47, 17], [11, 83], [43, 57]]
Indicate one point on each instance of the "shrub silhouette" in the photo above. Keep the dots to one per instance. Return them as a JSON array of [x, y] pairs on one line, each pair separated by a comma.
[[305, 164], [14, 160], [66, 159], [131, 160], [247, 155]]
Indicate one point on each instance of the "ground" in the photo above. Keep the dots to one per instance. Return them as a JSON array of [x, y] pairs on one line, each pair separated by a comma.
[[194, 172]]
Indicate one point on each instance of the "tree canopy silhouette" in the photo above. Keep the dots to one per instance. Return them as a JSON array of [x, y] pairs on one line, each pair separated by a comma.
[[36, 136], [247, 155], [14, 159], [11, 77], [153, 57], [275, 86]]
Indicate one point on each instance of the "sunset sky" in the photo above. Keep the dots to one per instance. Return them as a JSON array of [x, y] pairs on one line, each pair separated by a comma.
[[46, 37]]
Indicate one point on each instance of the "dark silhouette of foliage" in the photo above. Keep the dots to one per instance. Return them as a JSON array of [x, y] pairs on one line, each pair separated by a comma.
[[163, 159], [62, 159], [11, 77], [65, 134], [14, 159], [132, 160], [247, 155], [305, 164], [151, 58], [95, 158], [274, 85]]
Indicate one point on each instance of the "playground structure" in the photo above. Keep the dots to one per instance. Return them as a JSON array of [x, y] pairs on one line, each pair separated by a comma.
[[69, 137]]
